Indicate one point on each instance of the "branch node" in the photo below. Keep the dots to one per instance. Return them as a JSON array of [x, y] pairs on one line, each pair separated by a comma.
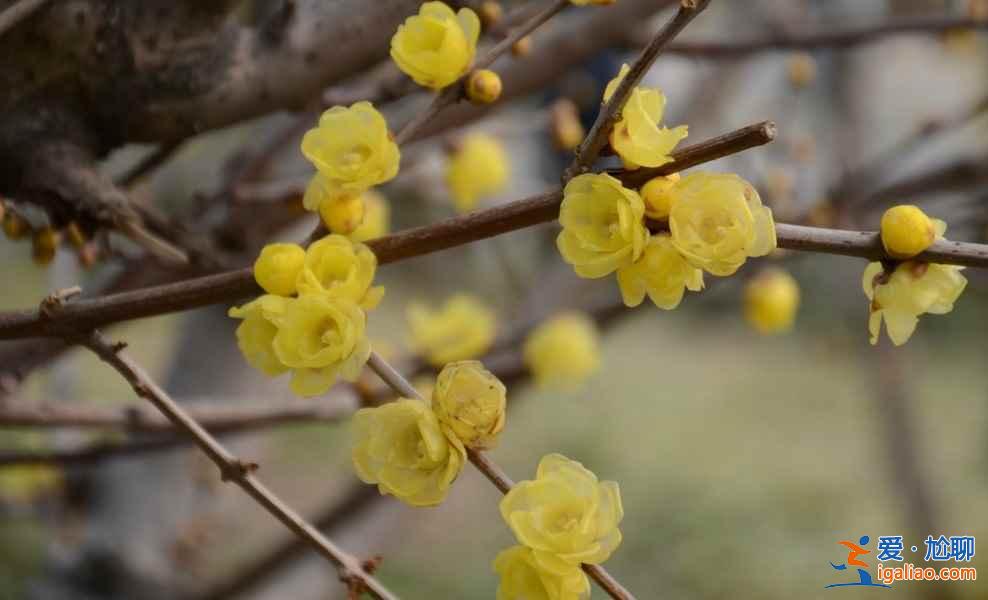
[[54, 302], [237, 469]]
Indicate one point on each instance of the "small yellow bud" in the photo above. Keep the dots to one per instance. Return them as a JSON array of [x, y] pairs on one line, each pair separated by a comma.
[[469, 401], [342, 214], [436, 46], [771, 300], [402, 448], [44, 245], [462, 328], [563, 352], [565, 126], [377, 218], [637, 137], [478, 168], [75, 235], [278, 268], [907, 231], [491, 13], [802, 69], [566, 516], [15, 226], [914, 288], [484, 86], [522, 47], [524, 577], [655, 194]]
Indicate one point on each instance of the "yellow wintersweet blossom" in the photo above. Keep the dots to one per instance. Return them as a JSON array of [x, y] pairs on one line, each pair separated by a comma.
[[341, 267], [914, 288], [462, 328], [524, 578], [637, 137], [657, 197], [321, 337], [771, 300], [718, 221], [352, 149], [661, 272], [478, 168], [377, 218], [277, 268], [470, 401], [436, 46], [565, 515], [563, 351], [907, 231], [602, 225], [401, 447], [255, 335], [342, 214]]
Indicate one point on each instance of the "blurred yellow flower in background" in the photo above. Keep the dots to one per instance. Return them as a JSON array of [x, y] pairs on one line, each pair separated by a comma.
[[523, 578], [914, 288], [478, 168], [563, 351], [771, 300], [718, 221], [470, 403], [637, 137], [401, 447], [602, 225], [462, 328], [661, 272], [436, 46]]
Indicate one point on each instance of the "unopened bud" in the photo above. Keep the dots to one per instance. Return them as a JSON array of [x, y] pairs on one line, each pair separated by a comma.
[[484, 86], [802, 70], [15, 226], [490, 13], [522, 47], [343, 214], [566, 128], [75, 235], [45, 243]]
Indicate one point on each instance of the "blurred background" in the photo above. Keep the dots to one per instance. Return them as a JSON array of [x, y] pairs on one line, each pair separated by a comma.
[[742, 459]]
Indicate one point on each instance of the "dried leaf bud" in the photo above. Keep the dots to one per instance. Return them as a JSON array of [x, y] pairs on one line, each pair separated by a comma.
[[522, 47], [75, 235], [491, 13]]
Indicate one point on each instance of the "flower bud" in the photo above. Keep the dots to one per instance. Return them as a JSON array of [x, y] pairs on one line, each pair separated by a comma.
[[771, 300], [75, 235], [655, 194], [44, 244], [802, 70], [491, 13], [522, 47], [907, 231], [566, 128], [470, 401], [278, 267], [15, 226], [484, 86], [343, 214]]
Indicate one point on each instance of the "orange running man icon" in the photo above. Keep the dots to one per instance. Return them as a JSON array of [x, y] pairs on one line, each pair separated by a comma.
[[854, 552]]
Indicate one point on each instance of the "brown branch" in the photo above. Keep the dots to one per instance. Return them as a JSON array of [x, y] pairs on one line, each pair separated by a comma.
[[17, 12], [232, 468], [488, 468], [83, 315], [89, 453], [837, 39], [455, 92], [596, 139]]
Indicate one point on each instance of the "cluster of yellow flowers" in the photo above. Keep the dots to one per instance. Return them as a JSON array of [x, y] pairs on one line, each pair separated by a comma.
[[413, 450], [900, 293], [352, 150], [311, 321], [565, 517], [716, 221]]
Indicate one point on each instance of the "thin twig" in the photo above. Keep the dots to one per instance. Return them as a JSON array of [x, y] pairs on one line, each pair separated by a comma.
[[454, 92], [232, 468], [17, 12], [148, 164], [596, 139], [490, 470]]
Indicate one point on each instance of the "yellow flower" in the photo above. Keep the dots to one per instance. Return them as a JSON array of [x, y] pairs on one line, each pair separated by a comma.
[[565, 126], [24, 484], [469, 402], [602, 225], [914, 288], [484, 86], [343, 268], [637, 137], [771, 300], [463, 328], [343, 214], [278, 267], [524, 578], [565, 515], [907, 231], [563, 351], [436, 46], [657, 197], [661, 272], [321, 337], [401, 447], [718, 220], [478, 168], [255, 335], [377, 218], [352, 149]]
